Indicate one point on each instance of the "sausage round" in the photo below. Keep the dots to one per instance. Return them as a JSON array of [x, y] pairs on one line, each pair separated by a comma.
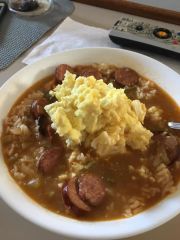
[[87, 71], [37, 107], [68, 203], [171, 146], [65, 196], [60, 71], [49, 160], [126, 77], [45, 127], [50, 132], [74, 197], [91, 189]]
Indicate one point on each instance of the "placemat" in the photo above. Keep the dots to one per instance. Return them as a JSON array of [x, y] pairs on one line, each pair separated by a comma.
[[18, 33]]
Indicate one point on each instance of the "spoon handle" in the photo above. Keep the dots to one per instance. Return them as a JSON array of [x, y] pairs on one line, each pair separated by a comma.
[[174, 125]]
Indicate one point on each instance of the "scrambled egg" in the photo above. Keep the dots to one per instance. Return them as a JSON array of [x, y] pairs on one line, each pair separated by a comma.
[[98, 115]]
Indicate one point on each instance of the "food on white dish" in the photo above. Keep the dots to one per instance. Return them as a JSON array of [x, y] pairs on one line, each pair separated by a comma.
[[91, 142]]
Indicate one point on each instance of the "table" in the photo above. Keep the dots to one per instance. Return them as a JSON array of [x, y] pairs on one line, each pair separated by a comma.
[[14, 227]]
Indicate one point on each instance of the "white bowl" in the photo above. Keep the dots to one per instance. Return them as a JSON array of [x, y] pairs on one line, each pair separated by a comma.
[[25, 206]]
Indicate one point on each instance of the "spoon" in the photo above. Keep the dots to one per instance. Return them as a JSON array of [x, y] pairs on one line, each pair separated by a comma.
[[174, 125]]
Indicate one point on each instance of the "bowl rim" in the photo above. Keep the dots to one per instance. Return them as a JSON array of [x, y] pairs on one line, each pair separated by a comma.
[[74, 233]]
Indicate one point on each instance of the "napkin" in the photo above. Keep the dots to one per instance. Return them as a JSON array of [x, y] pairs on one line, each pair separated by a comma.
[[69, 35]]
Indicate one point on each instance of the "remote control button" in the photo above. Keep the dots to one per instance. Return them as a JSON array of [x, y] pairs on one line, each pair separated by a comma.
[[178, 36], [176, 42], [139, 28], [162, 33]]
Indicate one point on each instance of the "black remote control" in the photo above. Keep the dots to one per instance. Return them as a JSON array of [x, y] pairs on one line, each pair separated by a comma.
[[146, 35]]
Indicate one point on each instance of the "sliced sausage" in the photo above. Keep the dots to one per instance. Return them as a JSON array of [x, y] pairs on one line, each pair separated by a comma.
[[91, 189], [37, 107], [126, 77], [74, 197], [49, 85], [49, 160], [65, 196], [171, 146], [60, 71], [87, 71], [50, 132], [67, 202], [45, 128]]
